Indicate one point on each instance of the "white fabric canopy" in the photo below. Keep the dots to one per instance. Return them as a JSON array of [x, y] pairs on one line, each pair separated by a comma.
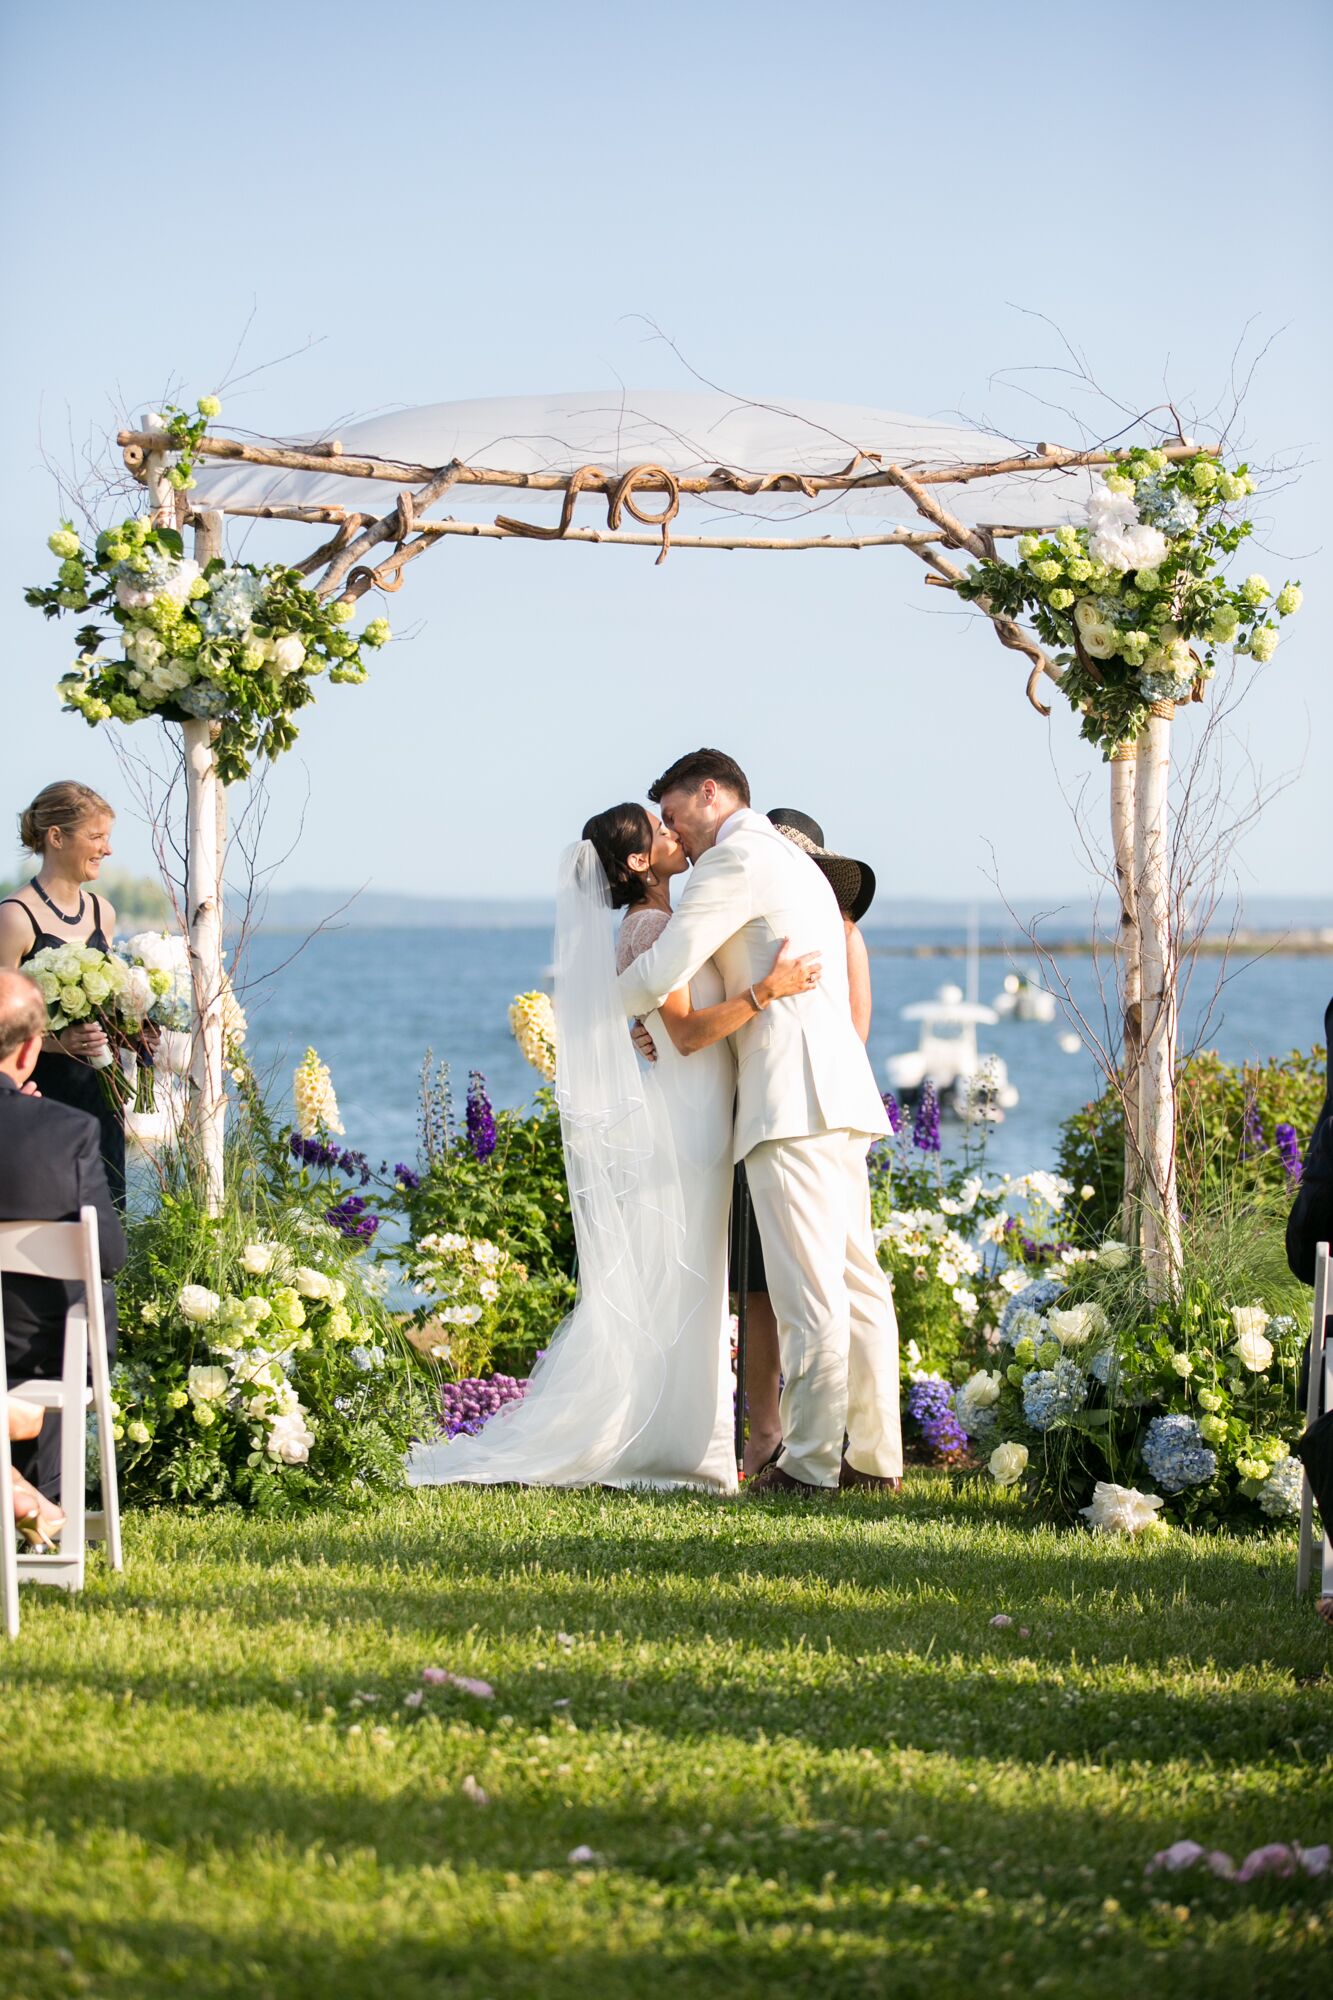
[[690, 433]]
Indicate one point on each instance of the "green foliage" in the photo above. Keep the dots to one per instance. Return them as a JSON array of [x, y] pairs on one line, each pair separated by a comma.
[[515, 1199], [1227, 1120], [258, 1362]]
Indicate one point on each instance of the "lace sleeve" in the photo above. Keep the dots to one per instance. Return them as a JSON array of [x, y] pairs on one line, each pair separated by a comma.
[[639, 930]]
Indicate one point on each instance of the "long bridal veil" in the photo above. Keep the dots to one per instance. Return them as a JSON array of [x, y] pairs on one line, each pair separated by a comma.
[[602, 1377]]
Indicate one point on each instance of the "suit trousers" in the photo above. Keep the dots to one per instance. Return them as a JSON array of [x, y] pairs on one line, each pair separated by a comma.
[[837, 1332]]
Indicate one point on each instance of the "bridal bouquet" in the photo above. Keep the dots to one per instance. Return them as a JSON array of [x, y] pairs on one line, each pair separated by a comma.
[[231, 642], [1136, 600], [165, 960], [80, 983]]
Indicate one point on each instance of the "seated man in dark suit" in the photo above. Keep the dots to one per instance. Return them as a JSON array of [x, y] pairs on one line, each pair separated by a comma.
[[50, 1168]]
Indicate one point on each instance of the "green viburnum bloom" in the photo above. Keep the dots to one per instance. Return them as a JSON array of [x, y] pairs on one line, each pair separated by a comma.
[[1214, 1429], [1289, 600], [209, 406], [1209, 1399], [1060, 600], [1047, 570], [1027, 546], [377, 633], [1255, 588], [1204, 475], [1263, 645], [1224, 625], [64, 542]]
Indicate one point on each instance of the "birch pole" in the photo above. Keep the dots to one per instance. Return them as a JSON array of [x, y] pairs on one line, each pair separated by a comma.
[[1124, 766], [205, 843], [1159, 1206]]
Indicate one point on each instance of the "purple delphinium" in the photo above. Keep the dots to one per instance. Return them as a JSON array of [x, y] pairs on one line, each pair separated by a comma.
[[480, 1117], [1289, 1151], [894, 1113], [930, 1406], [926, 1130], [1252, 1138], [313, 1152], [355, 1165], [405, 1177], [351, 1220]]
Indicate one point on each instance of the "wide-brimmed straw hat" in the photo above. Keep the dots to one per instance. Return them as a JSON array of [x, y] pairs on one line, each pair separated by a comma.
[[852, 882]]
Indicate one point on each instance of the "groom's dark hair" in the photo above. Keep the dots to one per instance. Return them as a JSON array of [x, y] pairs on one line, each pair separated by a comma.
[[690, 771]]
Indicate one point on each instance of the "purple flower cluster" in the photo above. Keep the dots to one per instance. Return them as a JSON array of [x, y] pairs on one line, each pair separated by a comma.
[[1252, 1138], [1032, 1251], [351, 1219], [894, 1113], [466, 1406], [926, 1130], [480, 1117], [930, 1406], [404, 1176], [1289, 1151], [314, 1153]]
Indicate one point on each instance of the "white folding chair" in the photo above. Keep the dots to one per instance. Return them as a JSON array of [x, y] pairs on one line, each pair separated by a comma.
[[1321, 1376], [69, 1251]]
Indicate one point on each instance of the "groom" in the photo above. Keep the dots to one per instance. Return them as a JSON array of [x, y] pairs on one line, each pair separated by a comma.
[[807, 1110]]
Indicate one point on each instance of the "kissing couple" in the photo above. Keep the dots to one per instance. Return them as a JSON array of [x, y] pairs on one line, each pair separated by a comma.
[[757, 1061]]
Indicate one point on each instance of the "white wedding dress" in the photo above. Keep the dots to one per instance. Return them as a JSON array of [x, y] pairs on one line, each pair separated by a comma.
[[635, 1388]]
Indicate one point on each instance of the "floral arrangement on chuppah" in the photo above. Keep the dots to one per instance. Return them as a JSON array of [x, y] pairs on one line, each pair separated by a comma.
[[1136, 601], [234, 643]]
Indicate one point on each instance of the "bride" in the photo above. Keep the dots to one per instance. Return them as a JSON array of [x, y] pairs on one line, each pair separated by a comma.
[[635, 1388]]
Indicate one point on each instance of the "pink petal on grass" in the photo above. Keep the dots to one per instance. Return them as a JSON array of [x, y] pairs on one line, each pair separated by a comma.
[[580, 1856], [1315, 1860], [472, 1790], [1274, 1859], [441, 1677], [1221, 1863], [1180, 1854], [1001, 1620]]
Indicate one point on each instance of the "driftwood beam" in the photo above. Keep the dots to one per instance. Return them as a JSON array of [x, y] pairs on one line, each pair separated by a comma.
[[136, 445]]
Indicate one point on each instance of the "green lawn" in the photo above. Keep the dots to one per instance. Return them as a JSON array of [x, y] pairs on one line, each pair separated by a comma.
[[800, 1753]]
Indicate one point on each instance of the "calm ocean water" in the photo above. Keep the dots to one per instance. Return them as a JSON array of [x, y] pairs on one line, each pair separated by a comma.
[[373, 1001]]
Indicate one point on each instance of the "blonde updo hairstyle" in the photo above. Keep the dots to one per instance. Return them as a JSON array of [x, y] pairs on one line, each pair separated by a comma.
[[65, 804]]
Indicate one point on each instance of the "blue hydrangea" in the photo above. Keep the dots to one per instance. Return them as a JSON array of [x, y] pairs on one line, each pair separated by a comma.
[[1166, 687], [1035, 1297], [229, 609], [1052, 1393], [1280, 1493], [1172, 512], [204, 701], [1176, 1455]]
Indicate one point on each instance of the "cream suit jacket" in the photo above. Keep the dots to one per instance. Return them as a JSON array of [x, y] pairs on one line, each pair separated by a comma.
[[801, 1066]]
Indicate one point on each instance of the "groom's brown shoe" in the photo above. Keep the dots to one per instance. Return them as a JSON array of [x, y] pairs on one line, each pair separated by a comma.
[[852, 1481], [772, 1479]]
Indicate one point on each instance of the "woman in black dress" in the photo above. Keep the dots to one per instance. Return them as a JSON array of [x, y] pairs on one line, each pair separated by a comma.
[[68, 826]]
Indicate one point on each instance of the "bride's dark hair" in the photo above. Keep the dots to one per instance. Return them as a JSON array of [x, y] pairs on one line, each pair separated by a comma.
[[616, 834]]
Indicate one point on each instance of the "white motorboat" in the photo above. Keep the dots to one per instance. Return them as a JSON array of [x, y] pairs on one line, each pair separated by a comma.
[[1024, 998], [973, 1086]]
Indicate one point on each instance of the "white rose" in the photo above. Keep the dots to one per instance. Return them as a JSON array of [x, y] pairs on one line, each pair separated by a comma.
[[289, 1441], [207, 1385], [1249, 1319], [1256, 1351], [1113, 1256], [1120, 1510], [288, 654], [196, 1302], [1008, 1463], [257, 1258], [1076, 1324], [312, 1284], [982, 1389]]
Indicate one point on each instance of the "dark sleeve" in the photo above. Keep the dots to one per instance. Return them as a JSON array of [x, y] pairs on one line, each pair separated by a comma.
[[94, 1193], [1311, 1220]]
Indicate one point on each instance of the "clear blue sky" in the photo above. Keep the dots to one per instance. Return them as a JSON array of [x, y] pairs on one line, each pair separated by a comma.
[[844, 202]]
